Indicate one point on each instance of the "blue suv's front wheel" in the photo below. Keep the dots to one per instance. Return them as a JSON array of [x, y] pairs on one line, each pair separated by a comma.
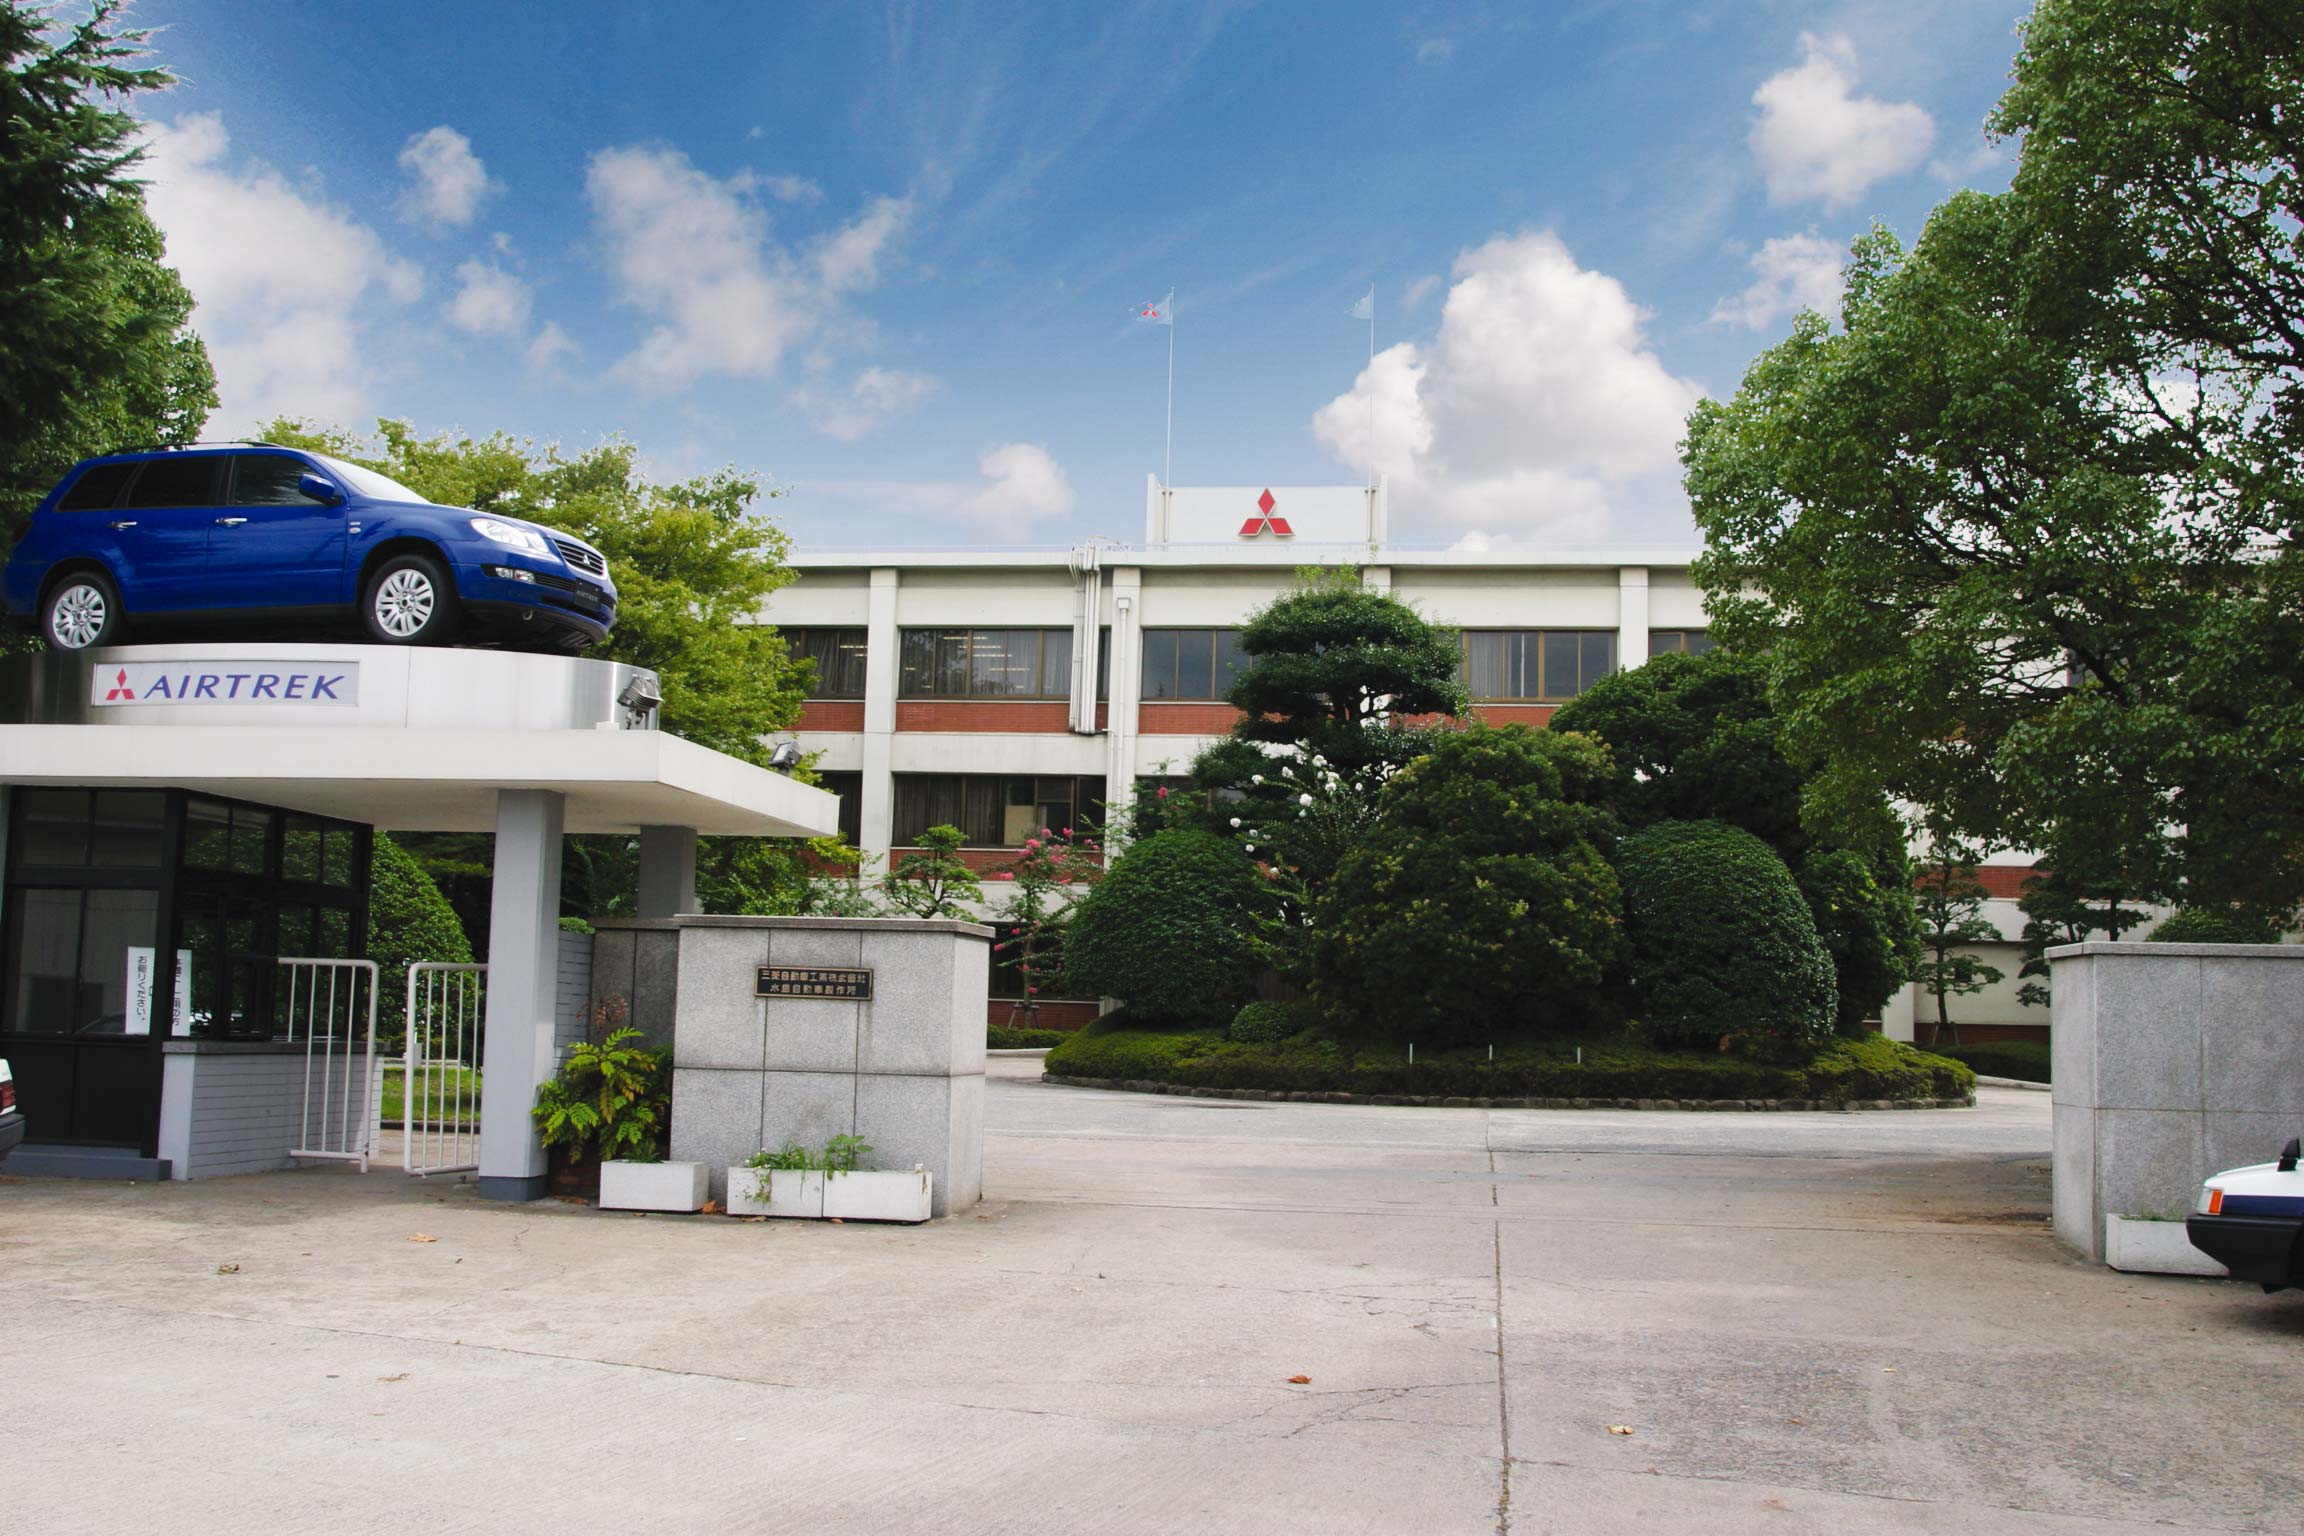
[[408, 600]]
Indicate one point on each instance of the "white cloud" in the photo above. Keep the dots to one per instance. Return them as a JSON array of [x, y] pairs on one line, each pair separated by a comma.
[[1418, 290], [792, 189], [447, 181], [695, 253], [1540, 405], [551, 344], [875, 397], [1026, 485], [280, 276], [1816, 139], [850, 258], [1435, 50], [1789, 273], [489, 301]]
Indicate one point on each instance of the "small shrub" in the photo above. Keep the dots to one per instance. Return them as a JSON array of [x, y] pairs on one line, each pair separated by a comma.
[[1170, 931], [611, 1098], [2024, 1060], [997, 1038], [1258, 1023], [1723, 946], [2215, 925]]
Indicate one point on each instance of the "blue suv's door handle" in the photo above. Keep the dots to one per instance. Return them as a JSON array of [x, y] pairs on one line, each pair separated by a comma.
[[126, 522], [230, 522]]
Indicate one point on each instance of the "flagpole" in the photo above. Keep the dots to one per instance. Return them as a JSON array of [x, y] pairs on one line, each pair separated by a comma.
[[1371, 386], [1168, 455]]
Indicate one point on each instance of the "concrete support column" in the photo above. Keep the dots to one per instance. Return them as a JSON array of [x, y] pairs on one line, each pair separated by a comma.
[[881, 640], [667, 871], [1127, 688], [1631, 617], [523, 964]]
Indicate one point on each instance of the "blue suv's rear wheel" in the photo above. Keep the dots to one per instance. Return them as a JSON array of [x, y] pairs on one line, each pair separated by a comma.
[[81, 612], [409, 600]]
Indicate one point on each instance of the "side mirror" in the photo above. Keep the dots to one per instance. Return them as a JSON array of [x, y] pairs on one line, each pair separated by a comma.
[[319, 490]]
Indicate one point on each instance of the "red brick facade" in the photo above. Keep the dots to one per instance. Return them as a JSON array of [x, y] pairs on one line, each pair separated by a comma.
[[981, 860], [994, 717], [832, 715], [1539, 715], [1165, 719]]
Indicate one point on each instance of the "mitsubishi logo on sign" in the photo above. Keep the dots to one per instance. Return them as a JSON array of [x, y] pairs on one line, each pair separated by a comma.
[[1264, 522], [119, 689]]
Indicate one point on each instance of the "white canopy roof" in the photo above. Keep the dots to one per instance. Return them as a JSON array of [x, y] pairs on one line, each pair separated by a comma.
[[430, 780]]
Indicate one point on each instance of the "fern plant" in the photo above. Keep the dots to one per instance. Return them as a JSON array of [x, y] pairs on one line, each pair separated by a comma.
[[610, 1097]]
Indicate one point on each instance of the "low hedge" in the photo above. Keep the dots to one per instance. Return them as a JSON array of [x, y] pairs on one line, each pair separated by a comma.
[[998, 1039], [1869, 1068], [2024, 1060]]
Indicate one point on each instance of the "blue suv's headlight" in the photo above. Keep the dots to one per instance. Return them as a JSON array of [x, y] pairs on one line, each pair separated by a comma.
[[497, 531]]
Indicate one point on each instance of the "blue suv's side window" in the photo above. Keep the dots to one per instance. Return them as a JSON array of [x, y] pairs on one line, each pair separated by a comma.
[[188, 481], [98, 489]]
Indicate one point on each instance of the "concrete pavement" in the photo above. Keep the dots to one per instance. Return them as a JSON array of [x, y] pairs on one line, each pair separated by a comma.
[[1808, 1323]]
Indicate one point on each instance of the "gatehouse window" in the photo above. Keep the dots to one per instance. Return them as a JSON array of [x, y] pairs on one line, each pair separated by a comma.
[[1535, 665]]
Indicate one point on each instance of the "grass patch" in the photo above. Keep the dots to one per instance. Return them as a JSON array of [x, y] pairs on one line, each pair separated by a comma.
[[1871, 1067], [443, 1094], [999, 1039], [2024, 1060]]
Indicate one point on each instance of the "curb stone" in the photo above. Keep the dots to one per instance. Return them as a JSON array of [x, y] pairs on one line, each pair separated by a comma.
[[1457, 1101]]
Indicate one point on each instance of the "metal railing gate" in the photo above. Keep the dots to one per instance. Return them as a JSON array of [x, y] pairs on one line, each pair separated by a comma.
[[440, 1075], [331, 1006]]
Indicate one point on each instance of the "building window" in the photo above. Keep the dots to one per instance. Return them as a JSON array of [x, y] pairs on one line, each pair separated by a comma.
[[1535, 665], [1191, 663], [995, 810], [1678, 642], [985, 664], [839, 658], [850, 788]]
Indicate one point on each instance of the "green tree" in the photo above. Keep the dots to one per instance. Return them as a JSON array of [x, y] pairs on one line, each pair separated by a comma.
[[2021, 540], [1952, 916], [2066, 906], [1695, 738], [1337, 668], [408, 920], [1041, 879], [95, 351], [1481, 903], [934, 881]]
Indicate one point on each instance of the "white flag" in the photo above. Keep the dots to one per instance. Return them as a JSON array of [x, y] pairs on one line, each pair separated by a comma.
[[1366, 308], [1162, 313]]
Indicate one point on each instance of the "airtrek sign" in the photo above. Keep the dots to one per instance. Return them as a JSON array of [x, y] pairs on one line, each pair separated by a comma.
[[224, 682]]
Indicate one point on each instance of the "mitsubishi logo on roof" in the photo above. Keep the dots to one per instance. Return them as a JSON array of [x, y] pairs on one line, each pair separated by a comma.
[[1264, 522]]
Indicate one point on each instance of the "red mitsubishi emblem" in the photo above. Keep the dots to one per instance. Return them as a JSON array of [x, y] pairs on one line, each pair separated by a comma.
[[1264, 521], [120, 689]]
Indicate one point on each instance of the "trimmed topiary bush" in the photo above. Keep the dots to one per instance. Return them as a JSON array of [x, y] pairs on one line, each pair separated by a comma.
[[1262, 1023], [1481, 901], [1722, 944], [1170, 931]]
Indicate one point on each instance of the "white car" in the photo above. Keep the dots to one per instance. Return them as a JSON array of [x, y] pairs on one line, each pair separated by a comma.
[[2251, 1220]]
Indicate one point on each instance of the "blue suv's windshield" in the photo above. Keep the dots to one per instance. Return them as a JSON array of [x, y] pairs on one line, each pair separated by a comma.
[[368, 483]]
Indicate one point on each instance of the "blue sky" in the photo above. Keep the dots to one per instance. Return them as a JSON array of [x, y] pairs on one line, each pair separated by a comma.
[[886, 257]]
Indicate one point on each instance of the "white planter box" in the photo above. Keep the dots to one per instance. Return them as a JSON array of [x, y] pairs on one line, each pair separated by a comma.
[[894, 1196], [653, 1186], [2146, 1247], [792, 1192]]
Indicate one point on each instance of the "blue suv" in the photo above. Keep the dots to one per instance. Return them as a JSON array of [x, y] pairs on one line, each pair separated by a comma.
[[276, 537]]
